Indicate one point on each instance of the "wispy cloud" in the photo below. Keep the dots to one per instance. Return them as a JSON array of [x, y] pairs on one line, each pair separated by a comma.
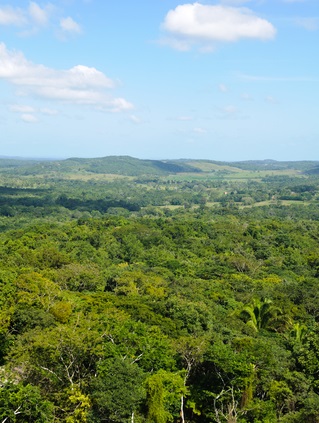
[[19, 108], [271, 99], [70, 26], [135, 119], [39, 15], [80, 85], [222, 88], [12, 16], [34, 15], [32, 19], [29, 114], [310, 24], [47, 111], [28, 118], [229, 112], [246, 97], [203, 26], [199, 131]]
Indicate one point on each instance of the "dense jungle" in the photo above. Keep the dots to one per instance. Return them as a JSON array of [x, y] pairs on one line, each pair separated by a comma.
[[145, 291]]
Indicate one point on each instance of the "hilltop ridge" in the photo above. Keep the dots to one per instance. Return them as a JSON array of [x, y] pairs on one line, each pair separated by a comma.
[[131, 166]]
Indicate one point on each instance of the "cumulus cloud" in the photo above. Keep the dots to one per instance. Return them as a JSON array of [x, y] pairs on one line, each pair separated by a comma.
[[70, 26], [206, 25], [78, 85]]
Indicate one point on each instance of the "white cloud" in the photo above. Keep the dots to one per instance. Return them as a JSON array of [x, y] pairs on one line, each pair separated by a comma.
[[28, 118], [78, 85], [38, 15], [180, 45], [11, 16], [190, 24], [34, 17], [70, 26], [28, 112], [135, 119], [19, 108], [310, 24], [118, 105]]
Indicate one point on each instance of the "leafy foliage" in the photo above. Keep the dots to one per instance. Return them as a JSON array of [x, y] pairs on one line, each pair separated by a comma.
[[160, 297]]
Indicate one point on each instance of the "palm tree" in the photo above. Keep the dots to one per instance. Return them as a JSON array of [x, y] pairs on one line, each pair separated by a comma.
[[299, 332], [261, 314]]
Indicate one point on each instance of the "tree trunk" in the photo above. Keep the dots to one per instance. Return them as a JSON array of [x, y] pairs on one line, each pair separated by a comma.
[[182, 409]]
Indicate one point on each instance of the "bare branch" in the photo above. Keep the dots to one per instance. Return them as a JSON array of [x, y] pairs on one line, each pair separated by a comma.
[[50, 371]]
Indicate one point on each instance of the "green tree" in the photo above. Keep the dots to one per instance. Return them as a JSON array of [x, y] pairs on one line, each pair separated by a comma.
[[164, 392], [19, 403], [117, 391], [261, 314]]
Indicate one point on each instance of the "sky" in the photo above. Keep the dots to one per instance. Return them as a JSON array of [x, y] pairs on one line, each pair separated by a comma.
[[160, 79]]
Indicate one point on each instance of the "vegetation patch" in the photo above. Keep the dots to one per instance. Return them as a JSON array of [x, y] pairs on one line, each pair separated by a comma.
[[158, 297]]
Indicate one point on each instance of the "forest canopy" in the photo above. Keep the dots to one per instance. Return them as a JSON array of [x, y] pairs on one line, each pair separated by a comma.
[[177, 292]]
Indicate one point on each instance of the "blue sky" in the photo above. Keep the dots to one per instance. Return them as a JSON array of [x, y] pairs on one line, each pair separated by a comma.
[[159, 79]]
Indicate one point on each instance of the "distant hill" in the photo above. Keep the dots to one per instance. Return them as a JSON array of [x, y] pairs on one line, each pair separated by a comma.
[[209, 166], [312, 171], [118, 165], [14, 162], [251, 165], [130, 166], [274, 165]]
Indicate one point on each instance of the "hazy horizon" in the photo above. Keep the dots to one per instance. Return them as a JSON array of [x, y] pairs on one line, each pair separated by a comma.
[[34, 158]]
